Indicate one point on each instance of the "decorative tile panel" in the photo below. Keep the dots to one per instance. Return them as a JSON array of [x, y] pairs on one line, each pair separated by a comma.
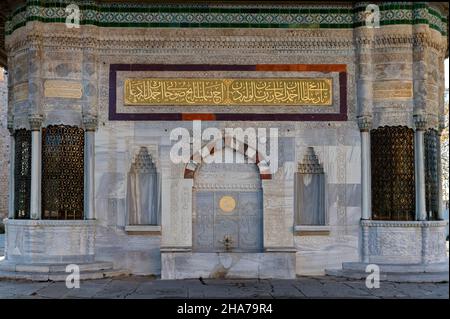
[[212, 15]]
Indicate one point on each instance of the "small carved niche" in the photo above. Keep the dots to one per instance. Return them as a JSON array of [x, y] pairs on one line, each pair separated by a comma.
[[143, 191], [310, 191]]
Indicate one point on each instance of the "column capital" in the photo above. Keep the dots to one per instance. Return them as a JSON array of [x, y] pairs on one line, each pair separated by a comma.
[[364, 123], [35, 121], [420, 121], [90, 122], [10, 125], [441, 125]]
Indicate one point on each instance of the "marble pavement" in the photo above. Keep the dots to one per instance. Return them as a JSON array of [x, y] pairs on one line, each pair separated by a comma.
[[145, 287]]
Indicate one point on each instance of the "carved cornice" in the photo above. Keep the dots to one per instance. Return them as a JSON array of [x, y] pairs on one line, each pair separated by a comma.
[[212, 186], [49, 223], [390, 223], [309, 40], [207, 43], [389, 40]]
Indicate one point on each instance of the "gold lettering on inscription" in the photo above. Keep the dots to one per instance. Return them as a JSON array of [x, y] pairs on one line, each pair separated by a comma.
[[248, 91], [63, 89]]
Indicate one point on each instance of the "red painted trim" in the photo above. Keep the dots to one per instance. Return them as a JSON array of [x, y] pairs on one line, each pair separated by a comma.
[[303, 67], [198, 116]]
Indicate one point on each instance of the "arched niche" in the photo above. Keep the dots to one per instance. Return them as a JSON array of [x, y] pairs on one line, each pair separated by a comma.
[[227, 206], [143, 191]]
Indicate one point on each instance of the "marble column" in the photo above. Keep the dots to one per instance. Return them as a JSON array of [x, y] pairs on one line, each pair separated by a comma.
[[364, 39], [419, 165], [35, 192], [10, 126], [11, 205], [365, 123], [90, 125], [439, 168], [420, 91]]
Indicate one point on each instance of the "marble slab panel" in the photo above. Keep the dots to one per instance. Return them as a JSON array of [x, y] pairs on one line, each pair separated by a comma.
[[228, 265]]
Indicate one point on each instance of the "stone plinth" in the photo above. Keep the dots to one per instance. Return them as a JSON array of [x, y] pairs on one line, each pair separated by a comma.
[[49, 241], [180, 265], [405, 242], [404, 251]]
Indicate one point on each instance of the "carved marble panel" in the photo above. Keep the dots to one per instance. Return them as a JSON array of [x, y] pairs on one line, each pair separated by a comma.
[[228, 209], [215, 221]]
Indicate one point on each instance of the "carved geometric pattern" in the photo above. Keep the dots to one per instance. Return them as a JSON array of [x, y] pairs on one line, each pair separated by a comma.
[[310, 163], [392, 161], [143, 162], [225, 16], [431, 140], [62, 172], [22, 171]]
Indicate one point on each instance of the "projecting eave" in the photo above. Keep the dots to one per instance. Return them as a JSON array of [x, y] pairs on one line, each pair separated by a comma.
[[8, 6]]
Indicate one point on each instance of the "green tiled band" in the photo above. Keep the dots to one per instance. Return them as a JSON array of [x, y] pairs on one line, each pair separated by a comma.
[[213, 15]]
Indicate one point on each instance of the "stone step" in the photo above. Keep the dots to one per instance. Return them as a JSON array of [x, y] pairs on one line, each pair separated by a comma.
[[61, 276], [418, 277], [399, 268], [53, 268], [57, 272]]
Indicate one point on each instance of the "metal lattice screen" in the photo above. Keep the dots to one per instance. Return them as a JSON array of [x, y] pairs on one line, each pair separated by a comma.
[[392, 161], [62, 172], [22, 174], [431, 140]]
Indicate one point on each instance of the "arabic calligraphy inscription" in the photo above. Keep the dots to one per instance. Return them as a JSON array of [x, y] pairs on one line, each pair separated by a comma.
[[237, 91]]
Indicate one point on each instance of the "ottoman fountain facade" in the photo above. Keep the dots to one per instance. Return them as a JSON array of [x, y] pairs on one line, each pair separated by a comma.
[[100, 93]]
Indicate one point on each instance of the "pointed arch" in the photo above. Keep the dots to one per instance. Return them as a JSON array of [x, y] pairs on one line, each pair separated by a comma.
[[241, 147]]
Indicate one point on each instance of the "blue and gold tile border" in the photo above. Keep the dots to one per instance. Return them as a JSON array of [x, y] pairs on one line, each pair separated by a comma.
[[212, 15]]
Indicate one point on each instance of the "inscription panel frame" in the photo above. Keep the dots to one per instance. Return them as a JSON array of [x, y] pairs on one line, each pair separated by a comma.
[[227, 91], [326, 69]]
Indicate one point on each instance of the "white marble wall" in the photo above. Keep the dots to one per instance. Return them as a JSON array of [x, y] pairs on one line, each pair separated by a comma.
[[115, 149], [337, 148], [338, 151]]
